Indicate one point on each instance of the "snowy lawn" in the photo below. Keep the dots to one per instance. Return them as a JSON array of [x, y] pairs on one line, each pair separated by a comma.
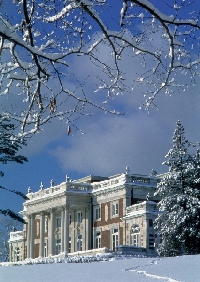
[[178, 269]]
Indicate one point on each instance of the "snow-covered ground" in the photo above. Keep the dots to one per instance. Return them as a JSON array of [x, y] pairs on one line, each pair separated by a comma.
[[177, 269]]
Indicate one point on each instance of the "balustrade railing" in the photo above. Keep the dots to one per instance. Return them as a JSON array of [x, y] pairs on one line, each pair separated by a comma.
[[16, 235], [108, 183], [72, 186], [66, 186]]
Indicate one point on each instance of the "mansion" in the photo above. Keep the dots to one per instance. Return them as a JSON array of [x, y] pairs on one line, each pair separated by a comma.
[[92, 213]]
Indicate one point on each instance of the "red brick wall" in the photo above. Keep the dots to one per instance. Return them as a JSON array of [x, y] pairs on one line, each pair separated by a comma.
[[105, 239], [121, 236], [110, 220], [105, 235], [36, 250]]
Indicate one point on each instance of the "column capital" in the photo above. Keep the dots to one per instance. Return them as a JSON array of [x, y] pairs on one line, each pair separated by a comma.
[[52, 210], [66, 207], [30, 215]]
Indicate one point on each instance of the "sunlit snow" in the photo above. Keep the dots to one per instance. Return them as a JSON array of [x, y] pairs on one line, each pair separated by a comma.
[[177, 269]]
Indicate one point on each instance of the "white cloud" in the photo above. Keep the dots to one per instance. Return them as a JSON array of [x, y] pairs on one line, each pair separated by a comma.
[[137, 139], [112, 143]]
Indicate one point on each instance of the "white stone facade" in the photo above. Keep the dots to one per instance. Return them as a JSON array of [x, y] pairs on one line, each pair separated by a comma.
[[17, 246], [90, 213]]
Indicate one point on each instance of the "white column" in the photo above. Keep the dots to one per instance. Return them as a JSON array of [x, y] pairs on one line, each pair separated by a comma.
[[41, 251], [88, 231], [28, 230], [73, 233], [66, 230], [10, 252], [62, 229], [84, 237], [146, 237], [52, 235], [32, 221]]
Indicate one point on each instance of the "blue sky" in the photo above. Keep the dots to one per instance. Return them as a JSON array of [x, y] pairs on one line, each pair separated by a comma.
[[110, 143], [137, 139]]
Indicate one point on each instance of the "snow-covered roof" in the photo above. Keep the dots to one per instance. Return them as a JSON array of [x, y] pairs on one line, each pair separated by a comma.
[[92, 184], [146, 207]]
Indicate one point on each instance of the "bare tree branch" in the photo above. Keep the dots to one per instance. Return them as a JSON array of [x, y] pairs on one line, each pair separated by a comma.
[[42, 40]]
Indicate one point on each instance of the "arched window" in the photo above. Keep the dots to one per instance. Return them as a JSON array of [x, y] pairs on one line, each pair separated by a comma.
[[135, 235]]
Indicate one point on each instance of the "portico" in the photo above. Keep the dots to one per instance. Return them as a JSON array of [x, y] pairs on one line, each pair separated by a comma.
[[87, 214], [51, 216]]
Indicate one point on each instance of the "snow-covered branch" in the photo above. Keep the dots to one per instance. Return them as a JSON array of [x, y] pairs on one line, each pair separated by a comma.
[[41, 43]]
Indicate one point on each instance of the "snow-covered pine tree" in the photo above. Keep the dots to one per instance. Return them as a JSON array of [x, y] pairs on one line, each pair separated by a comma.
[[179, 220], [9, 146]]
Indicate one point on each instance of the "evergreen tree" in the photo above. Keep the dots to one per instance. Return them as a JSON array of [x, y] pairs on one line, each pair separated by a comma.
[[179, 220], [9, 146]]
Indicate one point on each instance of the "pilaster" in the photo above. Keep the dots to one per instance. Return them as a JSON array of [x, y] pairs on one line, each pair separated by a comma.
[[62, 228], [41, 250], [28, 235], [31, 236], [66, 229], [52, 235]]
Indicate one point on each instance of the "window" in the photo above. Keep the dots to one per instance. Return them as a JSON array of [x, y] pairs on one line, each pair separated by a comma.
[[115, 238], [141, 240], [70, 219], [151, 241], [45, 249], [114, 209], [135, 235], [97, 213], [98, 240], [79, 217], [58, 222], [79, 243], [70, 244], [46, 225], [135, 240], [58, 246], [38, 228], [150, 222], [17, 254]]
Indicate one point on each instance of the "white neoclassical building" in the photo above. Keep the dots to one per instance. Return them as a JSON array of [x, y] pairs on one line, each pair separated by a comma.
[[91, 213]]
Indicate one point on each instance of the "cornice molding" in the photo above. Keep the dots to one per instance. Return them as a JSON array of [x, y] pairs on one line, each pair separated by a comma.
[[51, 197], [109, 191]]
